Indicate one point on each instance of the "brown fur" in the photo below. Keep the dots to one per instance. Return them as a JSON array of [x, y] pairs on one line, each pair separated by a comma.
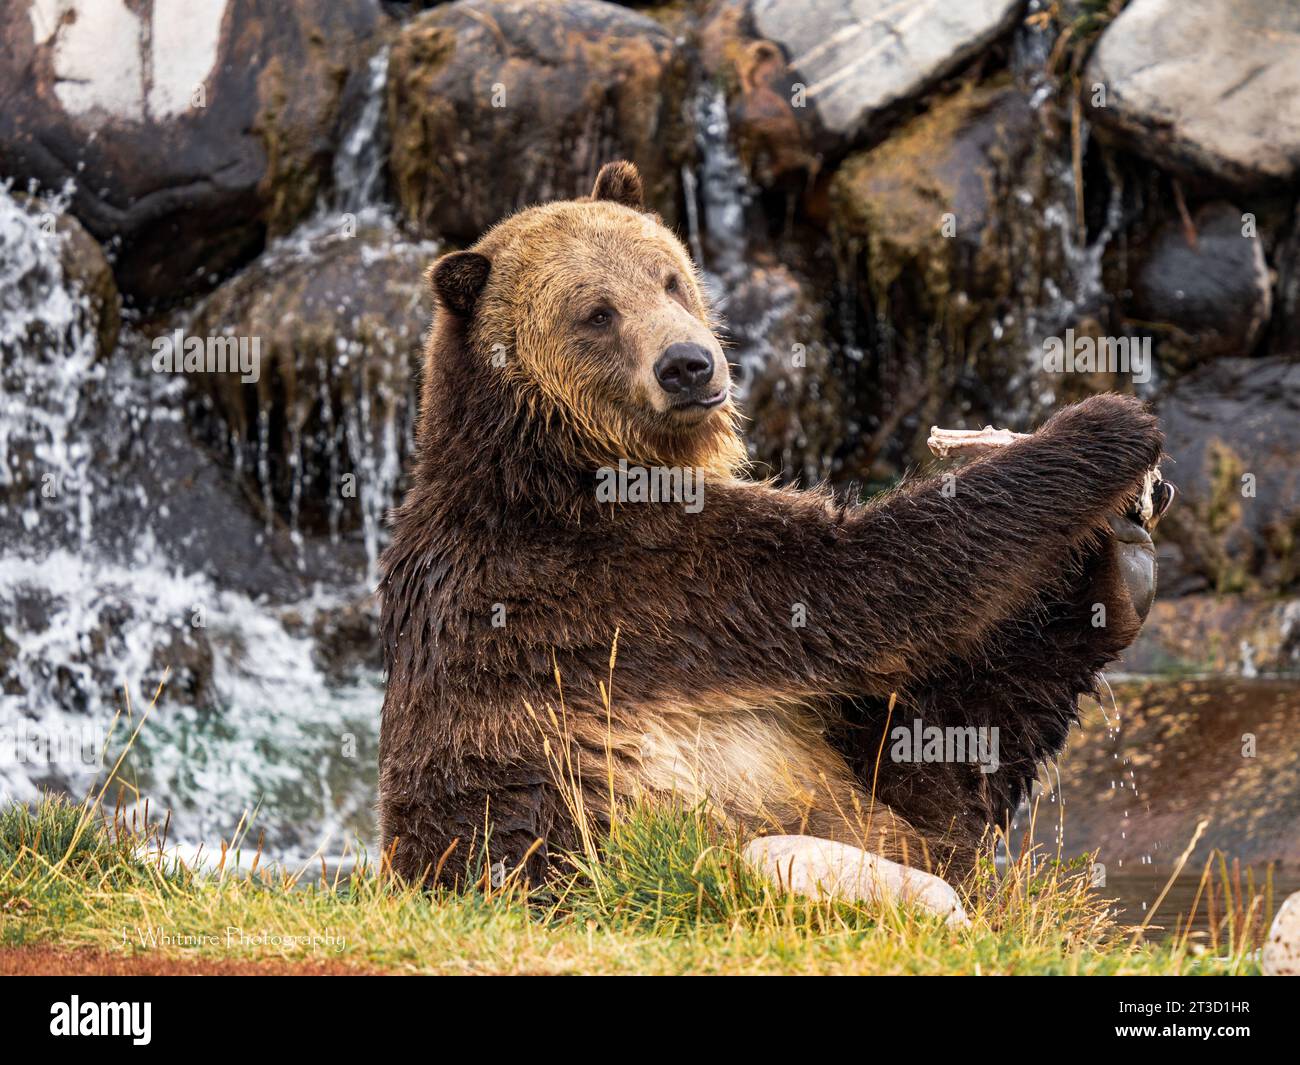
[[973, 607]]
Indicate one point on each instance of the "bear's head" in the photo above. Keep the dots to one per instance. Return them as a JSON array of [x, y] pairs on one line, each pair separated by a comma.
[[589, 315]]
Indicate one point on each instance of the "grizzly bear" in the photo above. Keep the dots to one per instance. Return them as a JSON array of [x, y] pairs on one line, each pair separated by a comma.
[[747, 654]]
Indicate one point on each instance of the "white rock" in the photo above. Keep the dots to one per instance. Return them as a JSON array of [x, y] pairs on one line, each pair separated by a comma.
[[823, 869], [1282, 948], [860, 56], [1210, 84], [106, 63]]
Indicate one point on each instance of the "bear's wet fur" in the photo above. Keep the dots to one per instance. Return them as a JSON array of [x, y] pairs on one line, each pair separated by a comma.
[[760, 639]]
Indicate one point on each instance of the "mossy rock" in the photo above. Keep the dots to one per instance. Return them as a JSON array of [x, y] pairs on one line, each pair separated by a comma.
[[1232, 434], [496, 104], [339, 316]]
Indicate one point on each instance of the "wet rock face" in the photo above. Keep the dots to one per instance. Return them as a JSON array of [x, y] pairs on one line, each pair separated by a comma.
[[1233, 431], [1136, 779], [946, 163], [191, 130], [940, 233], [30, 279], [496, 104], [857, 59], [777, 141], [338, 318], [87, 268], [776, 333], [1208, 298], [1208, 86]]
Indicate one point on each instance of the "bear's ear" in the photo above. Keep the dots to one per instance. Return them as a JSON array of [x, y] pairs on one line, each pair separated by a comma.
[[620, 182], [457, 280]]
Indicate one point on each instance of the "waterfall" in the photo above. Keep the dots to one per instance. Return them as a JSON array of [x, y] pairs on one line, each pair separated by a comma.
[[47, 352], [718, 194], [375, 428], [1076, 288], [125, 551], [362, 157]]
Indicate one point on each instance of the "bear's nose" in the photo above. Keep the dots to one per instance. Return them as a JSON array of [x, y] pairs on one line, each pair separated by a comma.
[[683, 366]]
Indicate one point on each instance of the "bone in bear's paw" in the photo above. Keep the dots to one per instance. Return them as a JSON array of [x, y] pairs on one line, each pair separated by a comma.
[[1150, 505], [946, 442], [822, 869]]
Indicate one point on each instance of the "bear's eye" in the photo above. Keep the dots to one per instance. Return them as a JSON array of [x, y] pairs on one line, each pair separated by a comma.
[[601, 316], [672, 284]]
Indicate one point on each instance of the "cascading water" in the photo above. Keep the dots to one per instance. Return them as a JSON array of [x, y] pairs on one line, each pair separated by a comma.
[[47, 348], [127, 550], [717, 194], [361, 161], [767, 321], [1074, 289]]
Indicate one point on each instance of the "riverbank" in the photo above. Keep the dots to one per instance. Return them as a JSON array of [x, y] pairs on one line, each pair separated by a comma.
[[84, 892]]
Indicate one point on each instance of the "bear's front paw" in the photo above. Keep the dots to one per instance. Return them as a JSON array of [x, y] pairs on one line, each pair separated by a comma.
[[1153, 500], [1134, 548]]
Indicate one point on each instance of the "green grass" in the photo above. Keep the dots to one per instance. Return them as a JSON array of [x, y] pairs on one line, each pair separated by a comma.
[[663, 892]]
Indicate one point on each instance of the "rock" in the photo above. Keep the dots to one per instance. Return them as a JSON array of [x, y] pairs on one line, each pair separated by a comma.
[[1211, 299], [857, 60], [778, 142], [1233, 431], [87, 269], [788, 390], [496, 104], [1281, 954], [1284, 256], [1219, 634], [1205, 86], [346, 641], [339, 319], [823, 869], [191, 131], [93, 446], [947, 162]]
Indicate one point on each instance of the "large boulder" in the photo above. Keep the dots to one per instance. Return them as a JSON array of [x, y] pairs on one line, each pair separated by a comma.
[[496, 104], [939, 231], [1207, 292], [1232, 430], [942, 167], [190, 131], [816, 76], [1206, 86], [322, 425]]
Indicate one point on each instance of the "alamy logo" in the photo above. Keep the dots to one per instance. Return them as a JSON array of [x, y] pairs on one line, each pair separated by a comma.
[[1087, 354], [175, 352], [955, 743], [654, 484], [102, 1018]]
